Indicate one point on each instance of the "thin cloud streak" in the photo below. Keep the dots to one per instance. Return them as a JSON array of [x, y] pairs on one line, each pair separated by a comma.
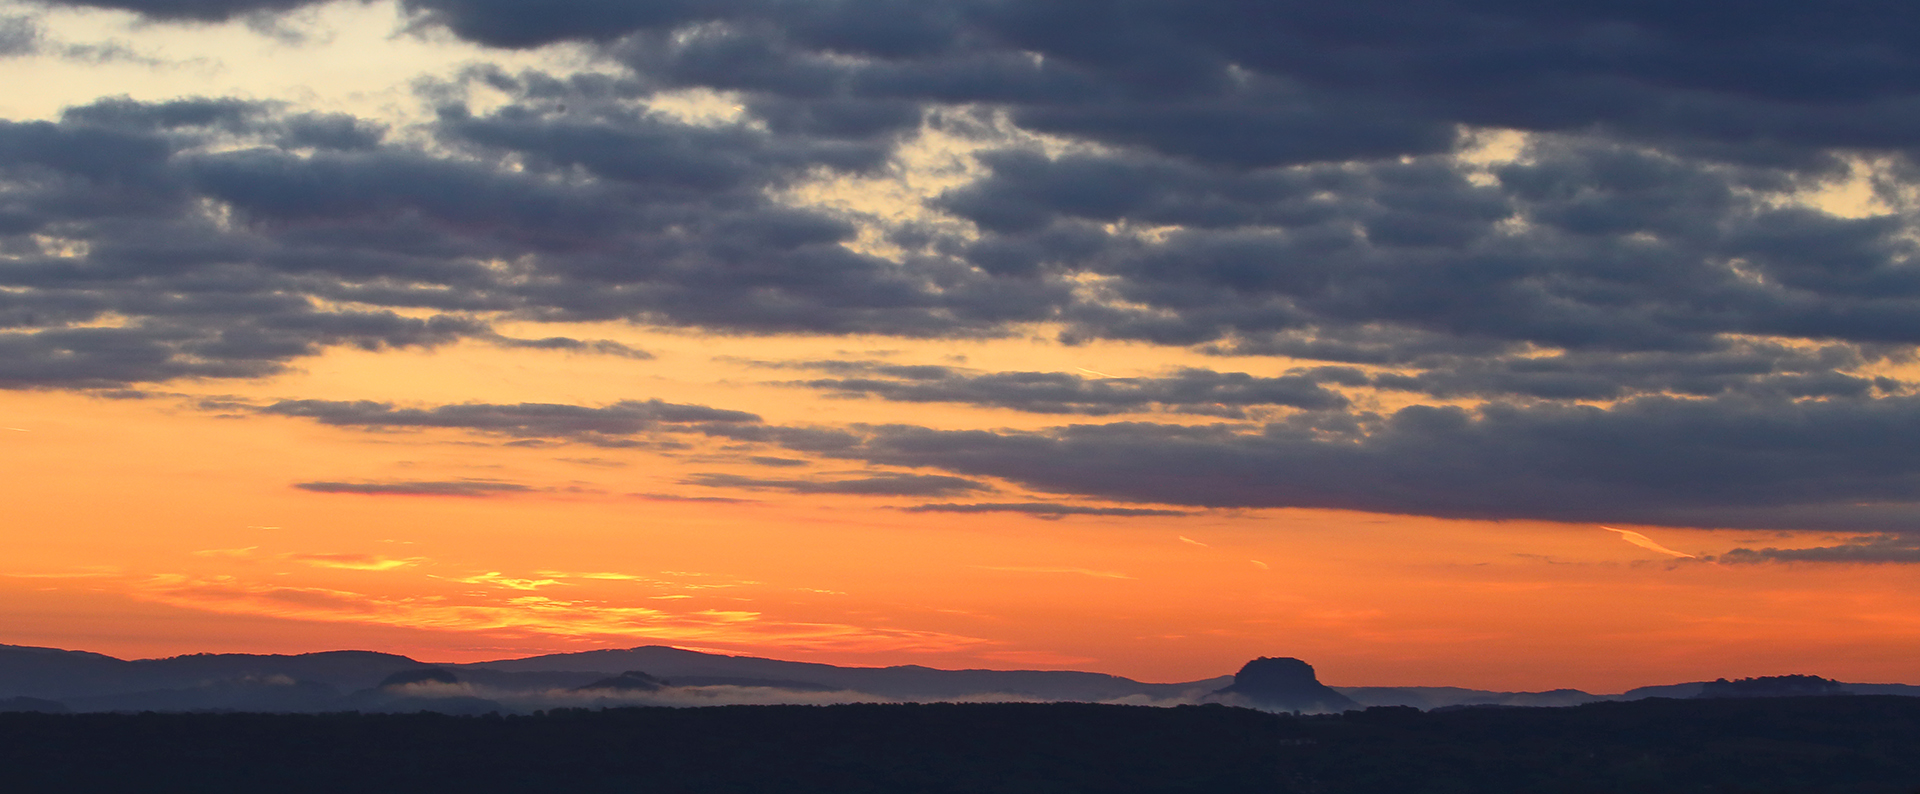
[[532, 617], [355, 562], [1648, 543], [471, 489]]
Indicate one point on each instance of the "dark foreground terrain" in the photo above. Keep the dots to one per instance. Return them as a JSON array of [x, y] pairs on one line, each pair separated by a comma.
[[1854, 744]]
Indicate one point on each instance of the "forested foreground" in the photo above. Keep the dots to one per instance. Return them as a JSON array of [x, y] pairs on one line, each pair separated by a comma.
[[1856, 744]]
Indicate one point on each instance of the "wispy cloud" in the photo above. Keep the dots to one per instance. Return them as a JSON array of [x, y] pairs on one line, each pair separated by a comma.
[[354, 562], [534, 617], [1048, 510], [240, 552], [457, 488], [668, 497], [496, 579], [882, 484], [1648, 543]]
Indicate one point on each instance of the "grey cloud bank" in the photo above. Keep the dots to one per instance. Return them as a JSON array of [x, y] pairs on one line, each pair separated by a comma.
[[1728, 462], [1632, 316]]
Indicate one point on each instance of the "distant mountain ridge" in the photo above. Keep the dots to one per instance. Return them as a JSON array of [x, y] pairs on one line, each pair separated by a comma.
[[902, 681], [51, 679]]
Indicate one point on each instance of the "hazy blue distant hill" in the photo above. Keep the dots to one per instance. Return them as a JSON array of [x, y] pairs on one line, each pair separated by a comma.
[[350, 680], [1664, 691], [58, 674], [905, 682], [52, 673]]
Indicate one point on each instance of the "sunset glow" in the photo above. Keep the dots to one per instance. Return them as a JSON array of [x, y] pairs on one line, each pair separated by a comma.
[[395, 326]]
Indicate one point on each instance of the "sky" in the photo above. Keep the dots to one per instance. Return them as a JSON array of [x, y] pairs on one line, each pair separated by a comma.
[[1470, 343]]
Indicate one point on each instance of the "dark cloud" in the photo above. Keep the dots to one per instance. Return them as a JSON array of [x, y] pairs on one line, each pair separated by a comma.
[[611, 425], [1043, 510], [459, 488], [160, 348], [1732, 462], [605, 347], [1726, 368], [1901, 549], [338, 131], [194, 10], [1657, 332], [610, 212], [122, 113], [886, 484], [1194, 391], [118, 274], [214, 258], [765, 460], [1587, 245], [1289, 81], [19, 36], [1737, 461]]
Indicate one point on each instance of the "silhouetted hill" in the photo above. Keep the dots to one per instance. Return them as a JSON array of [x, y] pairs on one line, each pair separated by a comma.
[[1772, 687], [1686, 690], [52, 673], [313, 682], [58, 674], [1284, 684], [906, 682], [33, 704]]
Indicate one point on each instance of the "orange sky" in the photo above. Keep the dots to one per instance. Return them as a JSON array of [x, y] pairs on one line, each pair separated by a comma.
[[515, 400], [150, 527]]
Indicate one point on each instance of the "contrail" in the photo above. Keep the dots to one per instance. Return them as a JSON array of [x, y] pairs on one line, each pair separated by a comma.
[[1185, 539], [17, 429], [1096, 372], [1645, 542]]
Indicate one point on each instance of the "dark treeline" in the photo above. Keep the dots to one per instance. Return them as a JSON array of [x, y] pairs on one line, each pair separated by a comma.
[[1858, 745]]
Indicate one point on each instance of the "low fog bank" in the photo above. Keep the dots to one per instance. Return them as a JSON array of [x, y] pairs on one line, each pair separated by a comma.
[[425, 697]]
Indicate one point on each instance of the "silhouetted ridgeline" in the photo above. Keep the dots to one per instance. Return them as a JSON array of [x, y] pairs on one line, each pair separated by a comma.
[[1858, 745], [53, 680]]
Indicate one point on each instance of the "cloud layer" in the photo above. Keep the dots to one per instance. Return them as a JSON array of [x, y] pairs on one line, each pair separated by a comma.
[[1583, 262]]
